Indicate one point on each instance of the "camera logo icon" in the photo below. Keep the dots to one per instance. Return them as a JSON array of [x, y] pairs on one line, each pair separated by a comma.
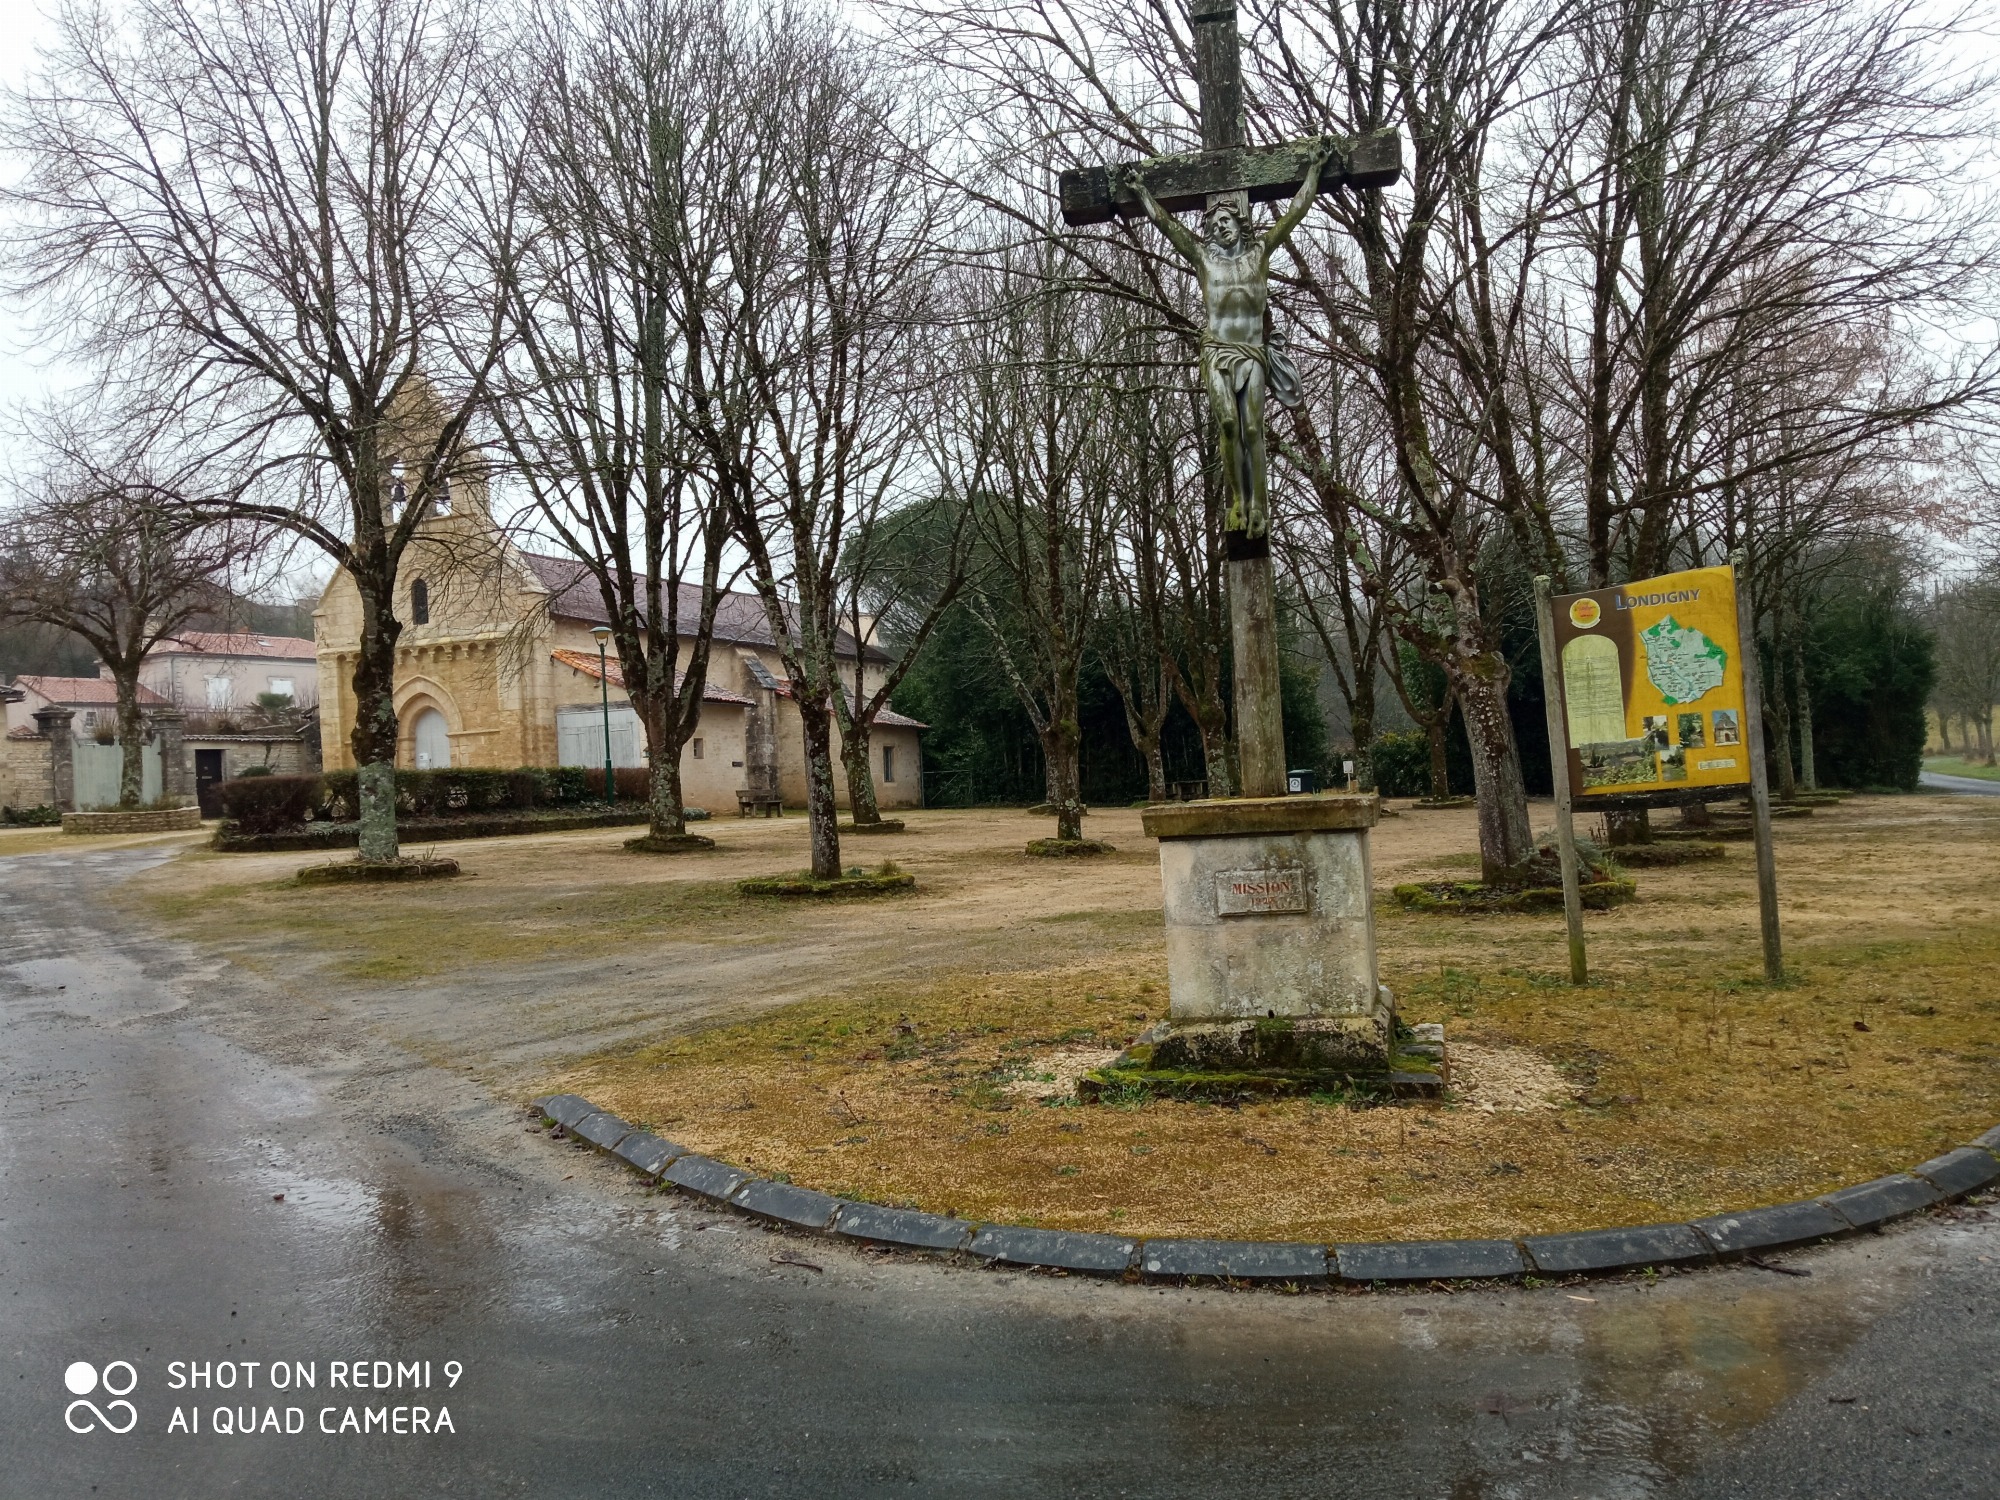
[[83, 1380]]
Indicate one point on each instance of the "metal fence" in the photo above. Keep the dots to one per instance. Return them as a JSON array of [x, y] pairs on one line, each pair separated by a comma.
[[98, 768]]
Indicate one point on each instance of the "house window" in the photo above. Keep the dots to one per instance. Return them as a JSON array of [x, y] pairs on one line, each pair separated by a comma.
[[90, 720], [220, 691], [888, 762], [697, 748], [281, 687], [420, 603]]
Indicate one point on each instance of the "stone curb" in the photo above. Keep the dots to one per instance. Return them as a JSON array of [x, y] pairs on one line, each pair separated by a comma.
[[1721, 1237]]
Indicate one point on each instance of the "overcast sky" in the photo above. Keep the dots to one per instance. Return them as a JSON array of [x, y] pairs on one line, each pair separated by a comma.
[[28, 374]]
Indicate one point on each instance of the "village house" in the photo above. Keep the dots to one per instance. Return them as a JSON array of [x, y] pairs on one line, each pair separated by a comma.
[[224, 672], [197, 750], [496, 666], [92, 701]]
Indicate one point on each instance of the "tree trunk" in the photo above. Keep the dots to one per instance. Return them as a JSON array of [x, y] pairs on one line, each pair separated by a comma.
[[1779, 712], [1506, 841], [854, 751], [1361, 722], [666, 809], [822, 812], [1156, 771], [1203, 701], [374, 737], [1060, 745], [1440, 765], [1808, 773], [131, 742]]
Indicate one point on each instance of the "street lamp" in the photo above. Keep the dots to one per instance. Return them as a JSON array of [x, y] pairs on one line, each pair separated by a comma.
[[602, 634]]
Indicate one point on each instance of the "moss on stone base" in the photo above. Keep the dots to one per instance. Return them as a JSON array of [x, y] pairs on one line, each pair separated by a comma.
[[1658, 856], [885, 825], [670, 843], [1473, 896], [1067, 848], [1271, 1057], [1723, 833], [356, 872], [1116, 1085], [856, 882]]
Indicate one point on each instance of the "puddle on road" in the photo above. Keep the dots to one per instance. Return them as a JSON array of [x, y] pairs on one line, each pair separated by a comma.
[[1524, 1395], [107, 987]]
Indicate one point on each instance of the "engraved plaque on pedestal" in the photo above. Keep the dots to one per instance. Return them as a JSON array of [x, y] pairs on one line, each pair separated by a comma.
[[1266, 890]]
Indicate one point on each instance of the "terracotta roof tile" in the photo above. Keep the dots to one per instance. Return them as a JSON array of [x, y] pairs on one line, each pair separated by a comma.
[[84, 692], [586, 663], [240, 643]]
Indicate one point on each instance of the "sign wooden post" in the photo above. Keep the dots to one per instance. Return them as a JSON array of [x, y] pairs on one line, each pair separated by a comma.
[[1760, 790], [1579, 969]]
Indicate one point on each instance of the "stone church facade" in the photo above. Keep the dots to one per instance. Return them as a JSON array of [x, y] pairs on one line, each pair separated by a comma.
[[496, 667]]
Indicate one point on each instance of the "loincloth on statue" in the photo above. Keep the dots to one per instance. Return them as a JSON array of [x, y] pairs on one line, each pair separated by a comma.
[[1234, 362]]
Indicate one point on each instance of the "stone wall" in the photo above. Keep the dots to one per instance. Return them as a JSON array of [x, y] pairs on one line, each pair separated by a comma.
[[24, 773], [142, 820], [286, 755]]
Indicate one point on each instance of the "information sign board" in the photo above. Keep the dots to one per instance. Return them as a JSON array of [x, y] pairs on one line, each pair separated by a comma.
[[1651, 675]]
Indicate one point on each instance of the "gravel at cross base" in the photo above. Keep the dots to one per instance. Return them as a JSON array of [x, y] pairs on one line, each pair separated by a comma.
[[200, 1165]]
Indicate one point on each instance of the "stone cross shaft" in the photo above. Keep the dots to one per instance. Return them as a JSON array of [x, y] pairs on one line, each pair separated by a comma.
[[1241, 362]]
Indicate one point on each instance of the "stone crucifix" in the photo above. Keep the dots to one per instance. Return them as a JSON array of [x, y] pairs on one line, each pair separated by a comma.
[[1242, 363]]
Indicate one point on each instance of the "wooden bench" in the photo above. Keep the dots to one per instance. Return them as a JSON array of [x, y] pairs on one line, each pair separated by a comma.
[[770, 804]]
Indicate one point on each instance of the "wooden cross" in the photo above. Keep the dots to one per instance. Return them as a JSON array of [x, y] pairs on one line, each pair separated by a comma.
[[1225, 171]]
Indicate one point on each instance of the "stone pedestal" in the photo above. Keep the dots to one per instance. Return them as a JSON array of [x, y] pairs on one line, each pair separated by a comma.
[[1270, 955], [1268, 908]]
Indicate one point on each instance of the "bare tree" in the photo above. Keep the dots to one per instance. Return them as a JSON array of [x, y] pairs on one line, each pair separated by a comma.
[[607, 276], [832, 251], [258, 213], [1966, 618], [1048, 522], [106, 545], [902, 570]]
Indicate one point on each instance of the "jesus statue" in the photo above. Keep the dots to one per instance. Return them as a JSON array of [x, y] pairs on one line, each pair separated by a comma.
[[1238, 368]]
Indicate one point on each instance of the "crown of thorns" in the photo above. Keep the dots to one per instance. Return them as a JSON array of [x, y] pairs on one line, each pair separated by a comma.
[[1214, 215]]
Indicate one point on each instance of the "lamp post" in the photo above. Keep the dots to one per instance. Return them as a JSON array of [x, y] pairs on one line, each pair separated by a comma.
[[602, 634]]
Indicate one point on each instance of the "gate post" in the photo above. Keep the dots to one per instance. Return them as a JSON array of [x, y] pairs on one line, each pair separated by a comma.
[[54, 724]]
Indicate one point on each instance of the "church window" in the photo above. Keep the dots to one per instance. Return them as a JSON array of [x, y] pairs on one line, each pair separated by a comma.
[[420, 603], [888, 762]]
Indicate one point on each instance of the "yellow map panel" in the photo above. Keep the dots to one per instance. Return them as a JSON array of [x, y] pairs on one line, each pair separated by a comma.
[[1652, 684]]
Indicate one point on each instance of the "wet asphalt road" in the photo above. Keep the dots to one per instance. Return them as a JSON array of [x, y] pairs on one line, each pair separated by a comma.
[[612, 1343], [1958, 786]]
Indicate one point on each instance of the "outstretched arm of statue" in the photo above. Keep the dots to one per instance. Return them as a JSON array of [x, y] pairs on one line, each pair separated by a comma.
[[1183, 240], [1302, 201]]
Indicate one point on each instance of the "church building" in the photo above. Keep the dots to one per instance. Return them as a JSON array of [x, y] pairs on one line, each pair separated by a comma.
[[496, 667]]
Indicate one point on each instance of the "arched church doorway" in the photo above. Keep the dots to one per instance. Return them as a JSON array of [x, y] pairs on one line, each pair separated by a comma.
[[432, 740]]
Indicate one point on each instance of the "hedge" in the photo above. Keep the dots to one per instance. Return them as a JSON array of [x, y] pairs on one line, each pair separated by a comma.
[[266, 804], [229, 840]]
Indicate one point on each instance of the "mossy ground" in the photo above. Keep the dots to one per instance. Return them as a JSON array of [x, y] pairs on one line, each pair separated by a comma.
[[886, 880], [1068, 848]]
